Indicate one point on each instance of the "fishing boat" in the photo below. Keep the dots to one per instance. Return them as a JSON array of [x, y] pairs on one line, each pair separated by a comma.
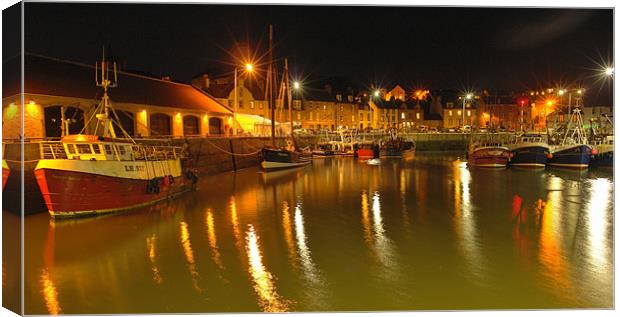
[[488, 153], [529, 150], [397, 147], [574, 150], [90, 174], [604, 148], [345, 147], [366, 150], [322, 150], [273, 157]]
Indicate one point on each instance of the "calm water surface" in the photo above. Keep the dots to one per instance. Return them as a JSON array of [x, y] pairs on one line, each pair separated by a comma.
[[338, 235]]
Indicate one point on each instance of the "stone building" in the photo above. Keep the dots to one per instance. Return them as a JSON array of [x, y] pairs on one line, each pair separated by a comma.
[[146, 106], [456, 112]]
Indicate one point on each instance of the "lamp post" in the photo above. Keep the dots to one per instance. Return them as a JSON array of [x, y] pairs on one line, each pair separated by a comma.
[[248, 67], [467, 97]]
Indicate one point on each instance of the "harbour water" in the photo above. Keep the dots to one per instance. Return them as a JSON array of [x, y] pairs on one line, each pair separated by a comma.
[[338, 235]]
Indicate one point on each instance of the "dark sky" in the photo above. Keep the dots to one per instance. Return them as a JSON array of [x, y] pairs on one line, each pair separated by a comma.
[[453, 48]]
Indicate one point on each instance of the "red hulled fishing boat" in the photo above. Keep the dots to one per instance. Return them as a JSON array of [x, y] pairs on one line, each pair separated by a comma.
[[488, 154], [101, 173]]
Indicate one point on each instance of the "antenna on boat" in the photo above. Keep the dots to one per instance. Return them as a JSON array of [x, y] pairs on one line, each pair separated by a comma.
[[269, 87]]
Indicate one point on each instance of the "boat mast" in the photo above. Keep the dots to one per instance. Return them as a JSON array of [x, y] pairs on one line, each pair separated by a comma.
[[287, 91], [105, 83], [269, 87]]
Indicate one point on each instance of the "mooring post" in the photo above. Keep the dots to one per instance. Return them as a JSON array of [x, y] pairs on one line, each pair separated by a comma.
[[232, 154]]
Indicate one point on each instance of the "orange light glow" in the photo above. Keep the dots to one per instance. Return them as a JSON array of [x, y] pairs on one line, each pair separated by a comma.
[[50, 294]]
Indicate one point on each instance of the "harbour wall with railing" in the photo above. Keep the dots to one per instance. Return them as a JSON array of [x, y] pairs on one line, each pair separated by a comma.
[[208, 155]]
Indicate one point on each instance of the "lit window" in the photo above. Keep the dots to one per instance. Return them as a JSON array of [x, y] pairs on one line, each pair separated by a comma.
[[459, 112], [417, 115], [450, 112], [251, 104], [402, 115], [84, 148], [469, 113]]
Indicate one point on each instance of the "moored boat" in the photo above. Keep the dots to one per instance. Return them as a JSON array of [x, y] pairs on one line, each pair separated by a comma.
[[323, 150], [604, 156], [277, 159], [366, 150], [89, 174], [529, 150], [397, 147], [574, 150], [488, 154], [101, 173]]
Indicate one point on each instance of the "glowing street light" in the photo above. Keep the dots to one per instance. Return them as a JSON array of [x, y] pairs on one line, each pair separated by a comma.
[[561, 92], [296, 85], [467, 97], [609, 71], [249, 67], [377, 93]]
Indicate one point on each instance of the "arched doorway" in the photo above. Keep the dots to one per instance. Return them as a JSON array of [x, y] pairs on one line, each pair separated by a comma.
[[191, 125], [53, 120], [215, 126], [160, 124], [126, 119]]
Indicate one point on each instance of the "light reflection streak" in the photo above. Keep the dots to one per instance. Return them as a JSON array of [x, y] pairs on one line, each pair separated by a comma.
[[269, 300], [304, 252], [382, 245], [235, 223], [597, 225], [50, 294], [189, 254], [465, 221], [213, 239], [151, 243], [550, 255], [288, 233], [366, 219]]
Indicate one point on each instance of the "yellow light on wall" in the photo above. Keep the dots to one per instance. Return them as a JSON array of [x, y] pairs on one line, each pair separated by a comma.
[[31, 102], [459, 112], [205, 118], [178, 117], [32, 109], [10, 111]]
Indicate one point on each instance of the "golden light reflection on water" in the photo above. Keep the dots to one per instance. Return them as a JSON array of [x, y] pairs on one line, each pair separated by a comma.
[[189, 254], [264, 286], [50, 294], [288, 233], [465, 221], [304, 252], [550, 255], [213, 239], [151, 243], [366, 219], [235, 223], [597, 225]]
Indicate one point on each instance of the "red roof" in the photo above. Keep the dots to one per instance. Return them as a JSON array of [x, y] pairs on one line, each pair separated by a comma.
[[49, 76]]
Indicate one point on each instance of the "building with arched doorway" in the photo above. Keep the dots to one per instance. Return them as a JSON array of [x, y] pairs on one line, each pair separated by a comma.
[[145, 106]]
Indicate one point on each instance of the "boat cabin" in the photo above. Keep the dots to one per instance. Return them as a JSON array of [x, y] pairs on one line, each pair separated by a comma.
[[97, 148]]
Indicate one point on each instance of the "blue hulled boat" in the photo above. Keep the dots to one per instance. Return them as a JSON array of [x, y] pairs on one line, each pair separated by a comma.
[[604, 155], [574, 150], [529, 150]]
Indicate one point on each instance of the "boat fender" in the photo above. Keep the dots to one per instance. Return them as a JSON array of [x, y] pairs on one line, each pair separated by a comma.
[[549, 155], [165, 181], [594, 151], [170, 179]]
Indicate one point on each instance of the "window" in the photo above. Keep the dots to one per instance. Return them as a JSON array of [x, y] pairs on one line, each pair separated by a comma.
[[459, 112], [417, 115], [469, 113], [121, 149], [84, 149], [353, 118], [324, 107], [96, 148], [402, 115], [70, 149], [298, 116], [108, 149], [260, 105], [191, 125], [350, 98], [160, 124], [339, 97], [450, 112]]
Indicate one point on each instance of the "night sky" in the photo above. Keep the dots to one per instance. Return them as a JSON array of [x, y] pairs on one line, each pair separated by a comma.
[[450, 48]]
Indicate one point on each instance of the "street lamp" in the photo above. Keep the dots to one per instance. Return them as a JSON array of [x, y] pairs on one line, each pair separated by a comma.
[[296, 85], [249, 68], [377, 93], [467, 97], [609, 71]]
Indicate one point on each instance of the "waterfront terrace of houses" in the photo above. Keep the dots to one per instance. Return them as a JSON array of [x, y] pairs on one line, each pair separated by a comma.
[[146, 106]]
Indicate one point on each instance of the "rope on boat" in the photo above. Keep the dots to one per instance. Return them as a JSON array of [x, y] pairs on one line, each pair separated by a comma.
[[230, 153]]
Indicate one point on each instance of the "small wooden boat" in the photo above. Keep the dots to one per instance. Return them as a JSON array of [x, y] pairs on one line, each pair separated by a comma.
[[277, 159]]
